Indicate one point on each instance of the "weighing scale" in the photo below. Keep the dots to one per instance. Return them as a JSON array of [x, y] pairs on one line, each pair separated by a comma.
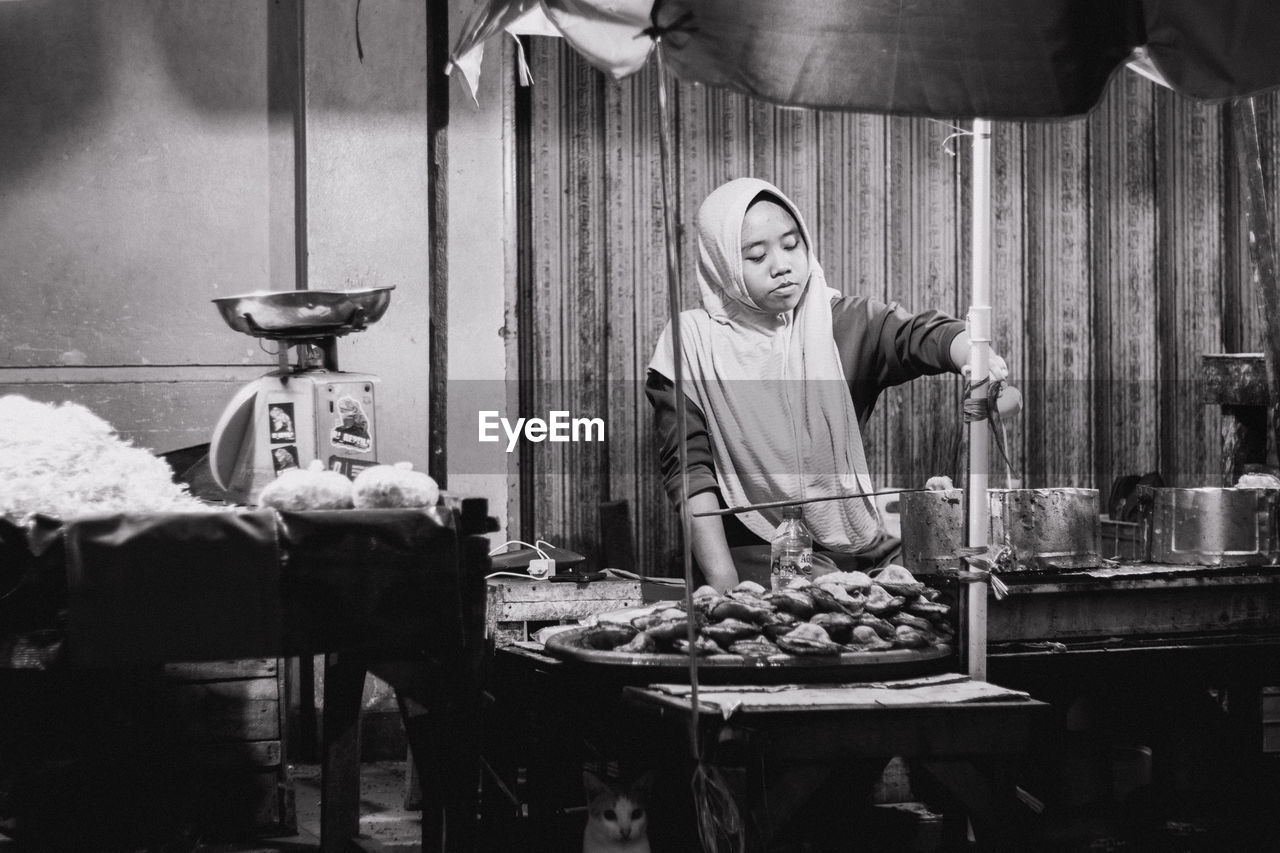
[[301, 412]]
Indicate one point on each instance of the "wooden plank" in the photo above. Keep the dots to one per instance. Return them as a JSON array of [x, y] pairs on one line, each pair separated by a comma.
[[539, 492], [1057, 416], [242, 710], [263, 754], [223, 670], [509, 591], [1140, 611], [340, 754], [1189, 152], [923, 273], [1124, 232], [625, 406], [1262, 245], [1008, 300], [554, 611], [1242, 303]]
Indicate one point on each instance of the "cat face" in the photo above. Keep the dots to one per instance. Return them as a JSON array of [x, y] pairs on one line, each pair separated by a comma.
[[615, 813]]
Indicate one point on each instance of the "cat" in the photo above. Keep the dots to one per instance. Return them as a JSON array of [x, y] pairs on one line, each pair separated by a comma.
[[617, 815]]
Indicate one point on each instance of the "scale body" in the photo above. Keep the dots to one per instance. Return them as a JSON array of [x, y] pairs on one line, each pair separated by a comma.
[[282, 421], [296, 415]]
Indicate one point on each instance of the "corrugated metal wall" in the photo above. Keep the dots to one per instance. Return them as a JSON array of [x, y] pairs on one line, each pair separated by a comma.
[[1119, 257]]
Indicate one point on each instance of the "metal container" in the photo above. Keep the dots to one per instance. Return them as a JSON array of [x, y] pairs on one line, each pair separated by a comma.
[[284, 314], [1047, 529], [933, 528], [1212, 526]]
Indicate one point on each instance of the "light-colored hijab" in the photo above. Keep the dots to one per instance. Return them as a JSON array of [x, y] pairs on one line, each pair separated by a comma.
[[779, 414]]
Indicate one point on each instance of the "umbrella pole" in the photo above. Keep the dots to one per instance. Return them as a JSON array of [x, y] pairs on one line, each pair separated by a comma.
[[979, 357]]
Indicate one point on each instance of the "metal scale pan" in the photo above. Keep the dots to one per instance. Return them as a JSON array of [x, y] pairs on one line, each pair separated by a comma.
[[286, 315]]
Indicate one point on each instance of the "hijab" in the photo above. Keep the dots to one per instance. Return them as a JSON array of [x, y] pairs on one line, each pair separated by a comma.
[[777, 404]]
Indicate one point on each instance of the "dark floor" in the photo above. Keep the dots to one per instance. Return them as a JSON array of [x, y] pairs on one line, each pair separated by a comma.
[[383, 817]]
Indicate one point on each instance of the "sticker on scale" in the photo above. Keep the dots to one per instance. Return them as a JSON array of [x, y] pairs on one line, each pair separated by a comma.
[[351, 429], [349, 467], [284, 458], [282, 431]]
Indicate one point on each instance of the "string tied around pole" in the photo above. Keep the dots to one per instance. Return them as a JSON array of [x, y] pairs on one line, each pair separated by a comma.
[[981, 403]]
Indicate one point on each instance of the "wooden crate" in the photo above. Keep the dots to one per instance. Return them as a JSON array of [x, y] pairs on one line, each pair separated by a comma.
[[514, 603], [232, 715]]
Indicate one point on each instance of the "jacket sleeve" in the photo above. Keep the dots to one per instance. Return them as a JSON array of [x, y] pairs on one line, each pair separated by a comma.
[[702, 475], [882, 344]]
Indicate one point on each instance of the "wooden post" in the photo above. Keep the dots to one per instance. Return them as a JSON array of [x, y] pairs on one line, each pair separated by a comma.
[[1262, 250]]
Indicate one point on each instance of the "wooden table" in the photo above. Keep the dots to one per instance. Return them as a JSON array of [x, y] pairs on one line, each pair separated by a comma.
[[396, 593], [968, 735], [804, 736]]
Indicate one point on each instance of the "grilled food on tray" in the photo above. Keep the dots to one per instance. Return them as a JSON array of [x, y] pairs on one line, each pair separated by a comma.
[[839, 613]]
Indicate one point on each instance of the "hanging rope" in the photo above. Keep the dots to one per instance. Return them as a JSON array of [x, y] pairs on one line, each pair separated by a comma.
[[980, 405], [359, 44], [718, 820]]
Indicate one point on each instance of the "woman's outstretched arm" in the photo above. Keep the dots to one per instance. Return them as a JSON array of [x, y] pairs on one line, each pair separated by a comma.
[[710, 548]]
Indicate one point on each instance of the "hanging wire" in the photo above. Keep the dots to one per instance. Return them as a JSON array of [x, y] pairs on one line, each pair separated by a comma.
[[359, 44], [957, 132], [273, 353], [673, 295], [718, 816], [719, 821]]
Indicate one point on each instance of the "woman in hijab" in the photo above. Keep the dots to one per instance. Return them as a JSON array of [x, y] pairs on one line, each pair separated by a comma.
[[781, 373]]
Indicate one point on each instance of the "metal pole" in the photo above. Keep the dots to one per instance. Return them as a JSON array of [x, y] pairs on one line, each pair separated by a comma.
[[979, 357]]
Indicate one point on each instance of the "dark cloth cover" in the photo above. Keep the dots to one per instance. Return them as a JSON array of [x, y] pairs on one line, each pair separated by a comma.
[[996, 59], [135, 590], [155, 587], [364, 580]]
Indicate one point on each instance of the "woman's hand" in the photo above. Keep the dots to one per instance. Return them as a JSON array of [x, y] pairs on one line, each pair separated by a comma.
[[960, 350]]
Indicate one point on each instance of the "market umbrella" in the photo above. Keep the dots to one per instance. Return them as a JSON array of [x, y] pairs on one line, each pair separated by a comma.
[[966, 59]]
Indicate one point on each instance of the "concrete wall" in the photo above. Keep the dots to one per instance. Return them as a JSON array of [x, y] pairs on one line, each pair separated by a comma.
[[366, 174], [149, 167], [134, 187]]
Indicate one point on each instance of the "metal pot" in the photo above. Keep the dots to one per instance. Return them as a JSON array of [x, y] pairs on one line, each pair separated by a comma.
[[1047, 529], [1212, 526], [933, 529]]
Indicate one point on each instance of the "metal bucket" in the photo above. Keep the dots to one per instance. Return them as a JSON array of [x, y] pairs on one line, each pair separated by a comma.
[[1212, 526], [1047, 529], [933, 528]]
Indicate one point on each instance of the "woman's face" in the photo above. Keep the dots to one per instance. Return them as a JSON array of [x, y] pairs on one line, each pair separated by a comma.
[[775, 259]]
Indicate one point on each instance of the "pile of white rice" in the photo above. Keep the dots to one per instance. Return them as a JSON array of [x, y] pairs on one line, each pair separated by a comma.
[[65, 462]]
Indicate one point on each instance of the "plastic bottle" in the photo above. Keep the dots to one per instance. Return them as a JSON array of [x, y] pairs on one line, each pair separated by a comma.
[[791, 554]]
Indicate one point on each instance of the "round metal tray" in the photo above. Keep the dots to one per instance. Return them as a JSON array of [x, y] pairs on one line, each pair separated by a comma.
[[736, 669], [298, 314]]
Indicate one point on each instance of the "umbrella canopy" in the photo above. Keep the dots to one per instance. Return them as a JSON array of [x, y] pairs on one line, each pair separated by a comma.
[[994, 59]]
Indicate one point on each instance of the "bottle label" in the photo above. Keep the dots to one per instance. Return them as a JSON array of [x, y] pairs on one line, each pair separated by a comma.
[[786, 567]]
